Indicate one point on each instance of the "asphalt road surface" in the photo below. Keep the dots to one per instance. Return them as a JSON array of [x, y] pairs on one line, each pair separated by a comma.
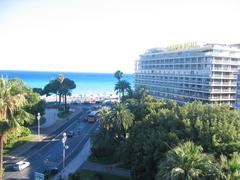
[[50, 151]]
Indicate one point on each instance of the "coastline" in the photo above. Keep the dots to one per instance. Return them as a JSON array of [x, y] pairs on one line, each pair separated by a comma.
[[91, 98], [87, 84]]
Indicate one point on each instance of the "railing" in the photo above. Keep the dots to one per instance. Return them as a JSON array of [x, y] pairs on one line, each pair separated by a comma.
[[224, 69], [222, 98], [222, 91], [222, 84], [225, 62], [224, 76]]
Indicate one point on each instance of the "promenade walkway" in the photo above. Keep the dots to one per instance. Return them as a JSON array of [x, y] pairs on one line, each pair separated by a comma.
[[51, 117]]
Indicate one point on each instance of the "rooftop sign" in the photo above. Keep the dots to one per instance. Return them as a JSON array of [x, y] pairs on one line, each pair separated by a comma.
[[185, 46]]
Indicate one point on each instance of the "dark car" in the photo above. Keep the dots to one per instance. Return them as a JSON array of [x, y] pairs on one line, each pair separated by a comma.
[[50, 171], [70, 134]]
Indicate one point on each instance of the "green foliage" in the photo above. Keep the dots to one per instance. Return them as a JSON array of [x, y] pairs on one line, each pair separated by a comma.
[[37, 107], [38, 90], [12, 137], [144, 132], [187, 161], [25, 131], [146, 146], [15, 100], [114, 126], [102, 159], [93, 175], [60, 86], [51, 88], [33, 104], [141, 104], [215, 127], [230, 168], [75, 176], [118, 75], [122, 87]]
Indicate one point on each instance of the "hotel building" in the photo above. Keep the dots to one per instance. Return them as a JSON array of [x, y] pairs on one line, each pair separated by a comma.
[[185, 73]]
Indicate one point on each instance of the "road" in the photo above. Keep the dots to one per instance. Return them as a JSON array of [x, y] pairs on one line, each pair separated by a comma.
[[49, 151]]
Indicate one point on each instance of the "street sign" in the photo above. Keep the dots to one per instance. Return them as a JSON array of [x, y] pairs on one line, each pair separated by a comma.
[[38, 176]]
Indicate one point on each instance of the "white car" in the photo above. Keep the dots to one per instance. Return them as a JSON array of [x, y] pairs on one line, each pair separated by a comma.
[[21, 165]]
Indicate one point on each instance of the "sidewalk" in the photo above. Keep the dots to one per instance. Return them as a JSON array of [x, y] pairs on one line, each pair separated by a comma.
[[52, 123], [51, 117], [76, 162]]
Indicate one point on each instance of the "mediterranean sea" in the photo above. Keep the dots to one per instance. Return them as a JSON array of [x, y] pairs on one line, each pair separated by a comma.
[[86, 83]]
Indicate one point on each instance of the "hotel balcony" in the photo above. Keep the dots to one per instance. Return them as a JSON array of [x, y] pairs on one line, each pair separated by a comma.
[[215, 61], [222, 91], [223, 84], [224, 69], [224, 76]]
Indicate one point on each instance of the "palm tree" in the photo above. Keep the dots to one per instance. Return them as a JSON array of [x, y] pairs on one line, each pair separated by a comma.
[[121, 87], [122, 120], [186, 162], [230, 168], [10, 102], [118, 74]]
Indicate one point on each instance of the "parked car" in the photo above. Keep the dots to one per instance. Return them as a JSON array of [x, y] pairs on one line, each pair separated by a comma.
[[21, 165], [70, 134]]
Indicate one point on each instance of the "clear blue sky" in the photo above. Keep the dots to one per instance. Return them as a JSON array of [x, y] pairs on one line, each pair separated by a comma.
[[106, 35]]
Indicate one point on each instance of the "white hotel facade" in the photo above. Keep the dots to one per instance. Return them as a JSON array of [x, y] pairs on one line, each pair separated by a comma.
[[207, 73]]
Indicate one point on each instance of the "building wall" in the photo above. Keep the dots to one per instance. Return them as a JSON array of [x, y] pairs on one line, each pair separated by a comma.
[[207, 73]]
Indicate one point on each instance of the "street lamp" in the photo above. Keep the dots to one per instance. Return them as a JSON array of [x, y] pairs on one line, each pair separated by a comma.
[[64, 139], [38, 118]]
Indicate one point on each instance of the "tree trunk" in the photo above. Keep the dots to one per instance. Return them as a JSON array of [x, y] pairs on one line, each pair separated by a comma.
[[60, 99], [122, 95], [1, 156], [65, 102]]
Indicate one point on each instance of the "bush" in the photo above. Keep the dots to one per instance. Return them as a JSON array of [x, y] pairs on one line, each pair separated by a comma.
[[11, 138], [75, 176], [25, 131], [98, 176]]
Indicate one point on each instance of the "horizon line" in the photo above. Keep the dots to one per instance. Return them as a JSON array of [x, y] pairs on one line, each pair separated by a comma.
[[64, 71]]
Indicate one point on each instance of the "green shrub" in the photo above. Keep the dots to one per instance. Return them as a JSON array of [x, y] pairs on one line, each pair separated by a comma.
[[25, 131], [97, 176], [75, 176]]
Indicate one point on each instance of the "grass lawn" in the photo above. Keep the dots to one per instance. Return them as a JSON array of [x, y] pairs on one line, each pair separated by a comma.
[[102, 160], [18, 142], [88, 175]]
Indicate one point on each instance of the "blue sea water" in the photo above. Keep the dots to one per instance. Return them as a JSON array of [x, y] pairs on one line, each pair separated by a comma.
[[87, 83]]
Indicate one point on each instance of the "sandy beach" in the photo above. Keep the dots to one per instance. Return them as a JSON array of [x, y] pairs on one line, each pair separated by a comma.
[[84, 98]]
